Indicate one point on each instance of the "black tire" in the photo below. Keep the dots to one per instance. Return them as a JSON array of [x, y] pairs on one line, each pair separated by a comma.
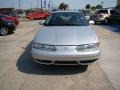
[[4, 31], [95, 23], [106, 21]]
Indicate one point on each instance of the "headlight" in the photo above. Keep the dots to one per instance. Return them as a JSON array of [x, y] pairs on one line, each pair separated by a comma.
[[88, 47], [44, 47]]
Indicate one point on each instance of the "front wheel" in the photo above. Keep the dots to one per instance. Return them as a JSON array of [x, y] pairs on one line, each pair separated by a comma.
[[3, 31], [95, 22], [106, 21]]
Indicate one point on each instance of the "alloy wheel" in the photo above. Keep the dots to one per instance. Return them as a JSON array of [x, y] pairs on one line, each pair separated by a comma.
[[3, 31]]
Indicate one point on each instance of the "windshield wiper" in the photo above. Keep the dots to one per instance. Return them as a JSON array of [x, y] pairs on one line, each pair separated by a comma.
[[70, 24]]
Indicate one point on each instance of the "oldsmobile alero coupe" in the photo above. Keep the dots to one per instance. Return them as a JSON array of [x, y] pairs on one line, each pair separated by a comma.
[[66, 38]]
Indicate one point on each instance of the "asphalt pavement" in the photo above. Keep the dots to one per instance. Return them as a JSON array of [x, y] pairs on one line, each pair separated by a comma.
[[19, 72]]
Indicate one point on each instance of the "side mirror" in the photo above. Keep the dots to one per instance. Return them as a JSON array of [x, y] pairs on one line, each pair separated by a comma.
[[91, 22], [41, 22]]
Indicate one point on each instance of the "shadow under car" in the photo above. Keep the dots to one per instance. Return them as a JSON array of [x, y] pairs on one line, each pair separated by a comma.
[[25, 64]]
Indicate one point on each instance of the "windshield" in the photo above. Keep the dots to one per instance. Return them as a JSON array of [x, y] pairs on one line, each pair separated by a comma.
[[102, 11], [66, 19]]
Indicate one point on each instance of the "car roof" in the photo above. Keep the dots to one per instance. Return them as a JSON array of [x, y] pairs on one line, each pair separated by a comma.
[[104, 9], [66, 12], [4, 15]]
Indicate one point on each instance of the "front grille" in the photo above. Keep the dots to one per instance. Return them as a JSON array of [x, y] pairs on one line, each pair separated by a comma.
[[88, 61], [44, 61], [66, 62]]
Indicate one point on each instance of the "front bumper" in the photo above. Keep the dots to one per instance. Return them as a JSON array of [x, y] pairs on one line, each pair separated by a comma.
[[11, 26], [59, 56], [99, 19]]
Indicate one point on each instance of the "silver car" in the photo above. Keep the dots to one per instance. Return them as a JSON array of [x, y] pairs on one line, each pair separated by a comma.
[[65, 38]]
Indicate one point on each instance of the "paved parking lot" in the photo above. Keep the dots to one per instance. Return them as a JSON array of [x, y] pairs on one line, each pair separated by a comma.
[[19, 72]]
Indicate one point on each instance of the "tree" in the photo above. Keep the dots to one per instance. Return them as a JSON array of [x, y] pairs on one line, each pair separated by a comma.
[[93, 8], [98, 6], [88, 6], [118, 6], [63, 6]]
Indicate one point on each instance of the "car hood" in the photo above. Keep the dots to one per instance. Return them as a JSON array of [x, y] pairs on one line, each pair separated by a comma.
[[66, 35]]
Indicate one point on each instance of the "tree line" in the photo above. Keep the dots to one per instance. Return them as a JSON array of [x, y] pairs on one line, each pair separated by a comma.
[[88, 6]]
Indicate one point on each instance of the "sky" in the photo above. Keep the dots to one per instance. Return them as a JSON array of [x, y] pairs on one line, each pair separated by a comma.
[[73, 4]]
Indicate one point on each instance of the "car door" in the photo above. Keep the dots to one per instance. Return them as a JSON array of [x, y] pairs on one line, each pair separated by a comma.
[[115, 16]]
